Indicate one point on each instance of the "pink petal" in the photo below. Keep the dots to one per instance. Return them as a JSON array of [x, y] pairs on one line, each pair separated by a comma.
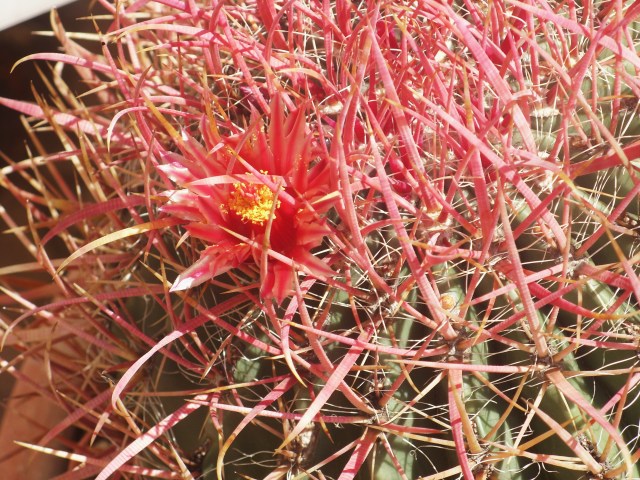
[[194, 168], [193, 276], [180, 197], [310, 232], [176, 173], [278, 283], [214, 261], [209, 233], [192, 149], [184, 211], [313, 263]]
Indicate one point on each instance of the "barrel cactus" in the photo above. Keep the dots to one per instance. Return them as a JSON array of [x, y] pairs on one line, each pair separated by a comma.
[[313, 239]]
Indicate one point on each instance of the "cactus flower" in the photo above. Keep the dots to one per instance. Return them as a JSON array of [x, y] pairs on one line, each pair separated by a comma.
[[254, 198]]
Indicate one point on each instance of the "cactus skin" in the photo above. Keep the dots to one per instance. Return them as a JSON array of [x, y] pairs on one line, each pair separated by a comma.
[[464, 176]]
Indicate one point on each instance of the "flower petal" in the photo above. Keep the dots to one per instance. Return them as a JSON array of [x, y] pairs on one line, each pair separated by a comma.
[[193, 276], [210, 233], [317, 267], [278, 283], [213, 262], [310, 231], [176, 173]]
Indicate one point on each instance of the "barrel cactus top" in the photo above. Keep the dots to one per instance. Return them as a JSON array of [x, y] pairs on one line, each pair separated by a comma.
[[348, 240]]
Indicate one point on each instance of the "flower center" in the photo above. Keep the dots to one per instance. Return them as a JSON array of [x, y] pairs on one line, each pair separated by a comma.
[[252, 202]]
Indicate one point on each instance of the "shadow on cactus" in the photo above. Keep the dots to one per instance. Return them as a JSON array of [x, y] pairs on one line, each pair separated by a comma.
[[337, 240]]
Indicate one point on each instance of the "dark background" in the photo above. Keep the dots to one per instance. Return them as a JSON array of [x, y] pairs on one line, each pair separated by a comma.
[[16, 43]]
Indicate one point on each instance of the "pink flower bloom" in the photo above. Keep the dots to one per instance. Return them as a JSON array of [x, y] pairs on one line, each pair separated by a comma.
[[255, 198]]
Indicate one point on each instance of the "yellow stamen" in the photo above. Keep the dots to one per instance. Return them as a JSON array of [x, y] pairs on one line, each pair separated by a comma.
[[253, 202]]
